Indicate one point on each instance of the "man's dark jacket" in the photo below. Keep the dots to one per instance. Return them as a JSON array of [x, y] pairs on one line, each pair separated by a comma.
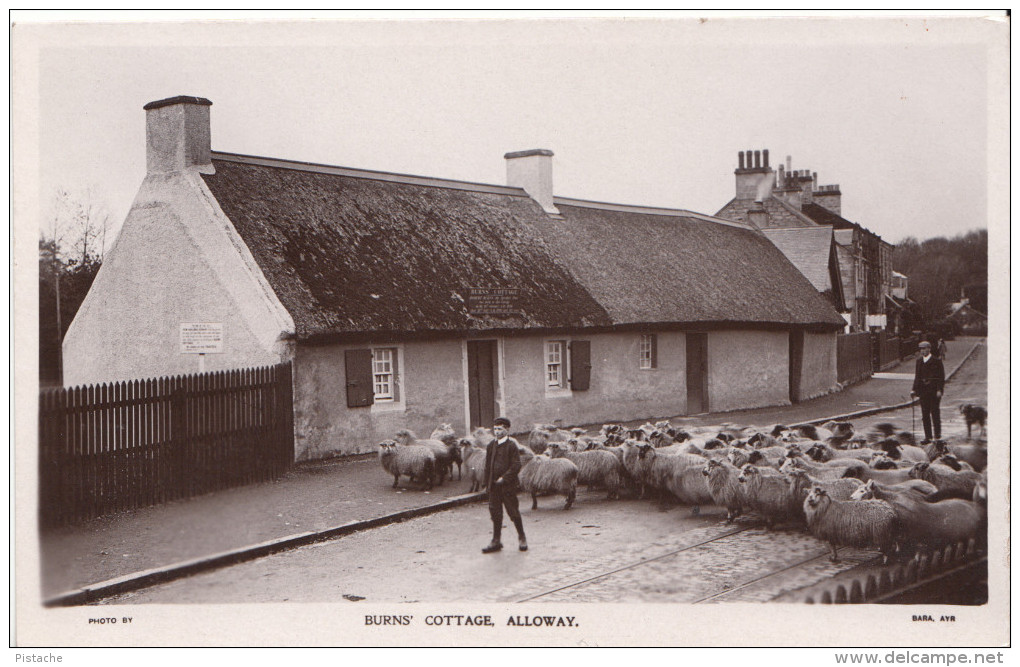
[[929, 377], [503, 460]]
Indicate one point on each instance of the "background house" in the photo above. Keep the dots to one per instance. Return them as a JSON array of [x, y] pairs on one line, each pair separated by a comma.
[[788, 199], [405, 301]]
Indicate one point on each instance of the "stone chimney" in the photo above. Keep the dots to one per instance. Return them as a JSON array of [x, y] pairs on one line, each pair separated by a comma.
[[177, 134], [752, 170], [830, 197], [532, 170]]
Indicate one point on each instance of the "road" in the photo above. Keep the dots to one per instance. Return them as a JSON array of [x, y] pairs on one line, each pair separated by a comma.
[[619, 551]]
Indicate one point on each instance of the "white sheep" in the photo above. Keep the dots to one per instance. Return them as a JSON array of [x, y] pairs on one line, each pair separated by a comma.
[[857, 523], [771, 497], [445, 454], [415, 461], [542, 475], [595, 467], [725, 488]]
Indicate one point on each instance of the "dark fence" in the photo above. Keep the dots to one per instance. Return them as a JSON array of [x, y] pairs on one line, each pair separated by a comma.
[[908, 346], [853, 357], [885, 350], [111, 447]]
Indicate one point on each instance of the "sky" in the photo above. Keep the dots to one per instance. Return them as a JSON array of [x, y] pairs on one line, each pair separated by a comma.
[[644, 111]]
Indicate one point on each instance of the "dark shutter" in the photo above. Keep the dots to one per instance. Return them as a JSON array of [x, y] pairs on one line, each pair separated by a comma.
[[360, 389], [655, 352], [580, 365]]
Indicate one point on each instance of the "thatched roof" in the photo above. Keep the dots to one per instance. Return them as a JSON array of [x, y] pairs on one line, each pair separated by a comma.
[[354, 252], [682, 267]]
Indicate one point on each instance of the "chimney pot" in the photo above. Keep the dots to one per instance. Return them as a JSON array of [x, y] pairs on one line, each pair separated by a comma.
[[177, 134], [740, 157], [765, 157], [757, 158], [789, 163]]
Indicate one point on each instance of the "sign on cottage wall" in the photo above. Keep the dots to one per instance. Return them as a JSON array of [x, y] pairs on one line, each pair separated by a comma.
[[493, 301], [201, 337]]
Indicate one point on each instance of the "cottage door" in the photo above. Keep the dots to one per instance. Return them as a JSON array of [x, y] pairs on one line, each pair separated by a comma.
[[796, 364], [482, 369], [697, 373]]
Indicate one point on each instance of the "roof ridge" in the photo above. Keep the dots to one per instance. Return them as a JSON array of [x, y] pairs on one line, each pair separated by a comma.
[[651, 210], [393, 177]]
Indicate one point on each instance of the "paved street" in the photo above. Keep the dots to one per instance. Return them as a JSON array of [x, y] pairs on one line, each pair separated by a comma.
[[620, 551]]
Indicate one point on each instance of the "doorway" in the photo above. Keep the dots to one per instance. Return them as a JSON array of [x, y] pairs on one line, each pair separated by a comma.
[[483, 365], [697, 373]]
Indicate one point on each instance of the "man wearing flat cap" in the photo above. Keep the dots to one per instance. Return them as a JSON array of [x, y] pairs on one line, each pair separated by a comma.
[[502, 463], [929, 382]]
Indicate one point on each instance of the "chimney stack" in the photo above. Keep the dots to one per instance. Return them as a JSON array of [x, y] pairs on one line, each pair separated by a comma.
[[532, 170], [754, 177], [829, 197], [177, 134]]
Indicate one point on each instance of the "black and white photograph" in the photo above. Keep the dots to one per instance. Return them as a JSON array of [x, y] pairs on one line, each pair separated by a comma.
[[505, 329]]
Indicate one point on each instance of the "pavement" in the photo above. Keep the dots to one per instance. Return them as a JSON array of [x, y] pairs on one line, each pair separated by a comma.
[[327, 499]]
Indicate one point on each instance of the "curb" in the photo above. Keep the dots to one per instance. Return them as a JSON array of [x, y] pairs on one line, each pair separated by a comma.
[[888, 408], [160, 575]]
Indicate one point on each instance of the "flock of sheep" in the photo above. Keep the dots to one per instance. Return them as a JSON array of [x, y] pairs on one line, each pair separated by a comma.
[[873, 490]]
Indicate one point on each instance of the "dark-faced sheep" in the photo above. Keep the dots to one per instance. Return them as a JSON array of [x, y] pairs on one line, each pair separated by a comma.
[[856, 523], [444, 454], [445, 434], [768, 496], [543, 475], [924, 525], [416, 461], [725, 488], [975, 455], [900, 452], [595, 468]]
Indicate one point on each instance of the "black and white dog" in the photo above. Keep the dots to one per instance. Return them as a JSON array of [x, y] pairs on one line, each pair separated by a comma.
[[974, 414]]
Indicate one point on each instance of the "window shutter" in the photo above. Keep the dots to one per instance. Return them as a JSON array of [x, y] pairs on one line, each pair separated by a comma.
[[580, 365], [655, 352], [360, 391]]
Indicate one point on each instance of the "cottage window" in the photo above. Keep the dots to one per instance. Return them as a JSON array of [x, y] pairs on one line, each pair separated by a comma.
[[554, 369], [646, 358], [384, 373]]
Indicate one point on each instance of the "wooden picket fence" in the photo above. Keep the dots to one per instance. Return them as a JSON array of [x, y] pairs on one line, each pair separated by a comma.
[[112, 447]]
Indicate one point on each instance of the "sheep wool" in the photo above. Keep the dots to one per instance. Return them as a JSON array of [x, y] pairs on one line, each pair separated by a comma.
[[924, 525], [725, 487], [857, 523], [444, 454], [769, 496], [595, 467], [950, 483], [474, 462], [543, 475], [415, 461]]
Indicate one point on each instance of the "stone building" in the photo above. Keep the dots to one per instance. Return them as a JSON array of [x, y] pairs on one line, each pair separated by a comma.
[[409, 301], [787, 199]]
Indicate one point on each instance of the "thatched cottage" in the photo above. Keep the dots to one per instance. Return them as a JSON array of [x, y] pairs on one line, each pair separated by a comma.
[[406, 301]]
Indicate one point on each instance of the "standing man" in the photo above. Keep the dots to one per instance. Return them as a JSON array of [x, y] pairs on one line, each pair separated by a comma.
[[502, 463], [929, 381]]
